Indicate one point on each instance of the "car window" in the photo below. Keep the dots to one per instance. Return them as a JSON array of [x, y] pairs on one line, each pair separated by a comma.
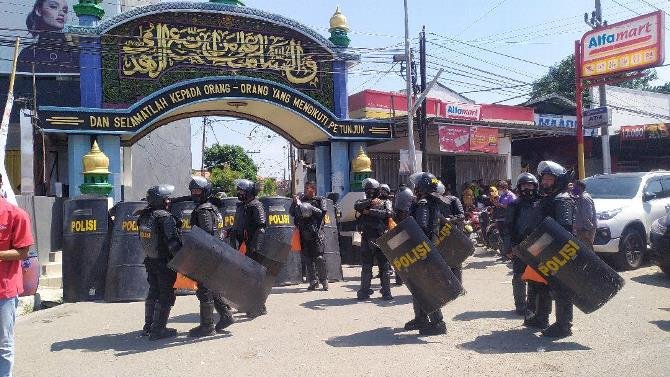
[[612, 187], [654, 187], [665, 182]]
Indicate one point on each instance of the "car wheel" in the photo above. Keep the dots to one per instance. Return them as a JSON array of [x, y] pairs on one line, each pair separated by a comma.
[[631, 250], [666, 269]]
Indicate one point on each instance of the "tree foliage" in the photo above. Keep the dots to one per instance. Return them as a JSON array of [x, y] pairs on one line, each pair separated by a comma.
[[561, 80], [269, 187], [232, 156], [223, 179]]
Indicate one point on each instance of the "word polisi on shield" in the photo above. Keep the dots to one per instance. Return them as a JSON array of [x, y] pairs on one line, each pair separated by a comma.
[[420, 264], [565, 261], [454, 245]]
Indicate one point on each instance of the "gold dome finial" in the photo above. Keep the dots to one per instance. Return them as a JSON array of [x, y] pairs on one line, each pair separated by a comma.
[[95, 162], [338, 21], [362, 163]]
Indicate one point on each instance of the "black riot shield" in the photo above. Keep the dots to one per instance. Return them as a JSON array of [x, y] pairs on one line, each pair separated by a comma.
[[332, 243], [454, 245], [238, 279], [278, 234], [567, 263], [419, 263]]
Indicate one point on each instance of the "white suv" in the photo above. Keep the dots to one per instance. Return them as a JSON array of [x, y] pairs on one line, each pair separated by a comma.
[[627, 204]]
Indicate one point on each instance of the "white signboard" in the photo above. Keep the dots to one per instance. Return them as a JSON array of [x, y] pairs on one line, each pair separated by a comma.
[[598, 117]]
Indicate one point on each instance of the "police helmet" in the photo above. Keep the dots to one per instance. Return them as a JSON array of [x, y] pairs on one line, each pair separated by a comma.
[[385, 187], [370, 184], [551, 168], [424, 183], [249, 187], [198, 182], [526, 178], [156, 195], [403, 199]]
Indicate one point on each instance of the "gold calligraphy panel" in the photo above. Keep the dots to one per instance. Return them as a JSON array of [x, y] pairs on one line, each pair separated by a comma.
[[160, 47]]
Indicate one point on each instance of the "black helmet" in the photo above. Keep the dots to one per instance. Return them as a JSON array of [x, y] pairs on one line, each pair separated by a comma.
[[370, 184], [249, 188], [485, 200], [198, 182], [156, 195], [424, 183], [403, 199], [385, 187], [526, 178], [552, 168]]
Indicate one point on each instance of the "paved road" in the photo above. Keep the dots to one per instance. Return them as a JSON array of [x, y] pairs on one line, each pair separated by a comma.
[[330, 333]]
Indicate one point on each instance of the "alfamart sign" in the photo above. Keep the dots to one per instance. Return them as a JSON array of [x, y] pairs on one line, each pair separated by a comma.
[[624, 46], [462, 111]]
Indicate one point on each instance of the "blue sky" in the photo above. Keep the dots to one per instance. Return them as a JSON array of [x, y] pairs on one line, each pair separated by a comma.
[[541, 32]]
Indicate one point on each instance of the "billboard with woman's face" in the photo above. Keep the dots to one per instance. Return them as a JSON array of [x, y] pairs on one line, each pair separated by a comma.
[[40, 24]]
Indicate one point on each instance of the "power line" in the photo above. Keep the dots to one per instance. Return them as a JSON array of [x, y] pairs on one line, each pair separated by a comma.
[[473, 23]]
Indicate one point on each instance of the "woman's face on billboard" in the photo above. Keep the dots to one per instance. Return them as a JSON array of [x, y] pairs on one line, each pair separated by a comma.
[[53, 13]]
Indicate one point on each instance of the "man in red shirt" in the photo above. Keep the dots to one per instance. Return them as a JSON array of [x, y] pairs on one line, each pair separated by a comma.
[[15, 239]]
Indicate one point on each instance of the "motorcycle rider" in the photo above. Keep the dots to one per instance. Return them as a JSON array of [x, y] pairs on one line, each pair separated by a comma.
[[160, 238], [426, 212], [250, 224], [556, 203], [521, 218], [373, 215], [208, 218], [308, 211]]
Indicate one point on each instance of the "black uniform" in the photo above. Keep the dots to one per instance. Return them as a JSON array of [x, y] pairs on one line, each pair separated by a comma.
[[208, 218], [451, 210], [427, 214], [311, 237], [373, 224], [249, 228], [521, 219], [160, 237], [561, 207]]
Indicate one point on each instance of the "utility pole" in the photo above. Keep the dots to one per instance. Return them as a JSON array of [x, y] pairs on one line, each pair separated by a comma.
[[410, 115], [205, 122], [596, 22], [423, 116]]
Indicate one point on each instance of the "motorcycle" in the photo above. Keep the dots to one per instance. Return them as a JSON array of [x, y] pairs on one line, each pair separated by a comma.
[[491, 230]]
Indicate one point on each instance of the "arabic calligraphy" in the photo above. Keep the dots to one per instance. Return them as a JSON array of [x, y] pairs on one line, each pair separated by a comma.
[[161, 46]]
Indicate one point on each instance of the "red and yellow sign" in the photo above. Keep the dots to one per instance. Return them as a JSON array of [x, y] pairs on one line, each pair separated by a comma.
[[625, 46], [484, 139]]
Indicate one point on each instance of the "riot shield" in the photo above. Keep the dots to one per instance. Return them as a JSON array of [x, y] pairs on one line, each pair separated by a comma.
[[238, 279], [278, 234], [454, 245], [420, 264], [569, 264]]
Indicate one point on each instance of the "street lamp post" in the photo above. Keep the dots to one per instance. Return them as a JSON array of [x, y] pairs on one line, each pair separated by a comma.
[[410, 114]]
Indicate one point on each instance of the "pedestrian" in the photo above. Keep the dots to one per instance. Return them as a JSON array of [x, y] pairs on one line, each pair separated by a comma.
[[426, 213], [208, 218], [373, 215], [249, 226], [556, 203], [160, 238], [521, 218], [507, 197], [586, 221], [15, 239], [309, 211]]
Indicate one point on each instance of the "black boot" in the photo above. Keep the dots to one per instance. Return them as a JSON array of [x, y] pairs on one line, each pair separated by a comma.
[[158, 326], [398, 279], [322, 271], [540, 319], [225, 316], [324, 285], [563, 325], [420, 318], [149, 307], [519, 293], [435, 326], [386, 286], [366, 279], [206, 327], [313, 286]]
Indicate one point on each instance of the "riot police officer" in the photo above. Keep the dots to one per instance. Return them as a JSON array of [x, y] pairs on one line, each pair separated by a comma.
[[160, 238], [250, 224], [208, 218], [373, 215], [308, 211], [404, 199], [555, 202], [451, 210], [426, 212], [521, 218]]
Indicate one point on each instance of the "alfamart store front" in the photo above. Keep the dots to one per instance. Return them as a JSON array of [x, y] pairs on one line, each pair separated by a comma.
[[464, 142]]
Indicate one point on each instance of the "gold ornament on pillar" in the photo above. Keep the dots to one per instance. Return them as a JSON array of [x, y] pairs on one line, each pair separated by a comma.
[[96, 172], [361, 168]]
